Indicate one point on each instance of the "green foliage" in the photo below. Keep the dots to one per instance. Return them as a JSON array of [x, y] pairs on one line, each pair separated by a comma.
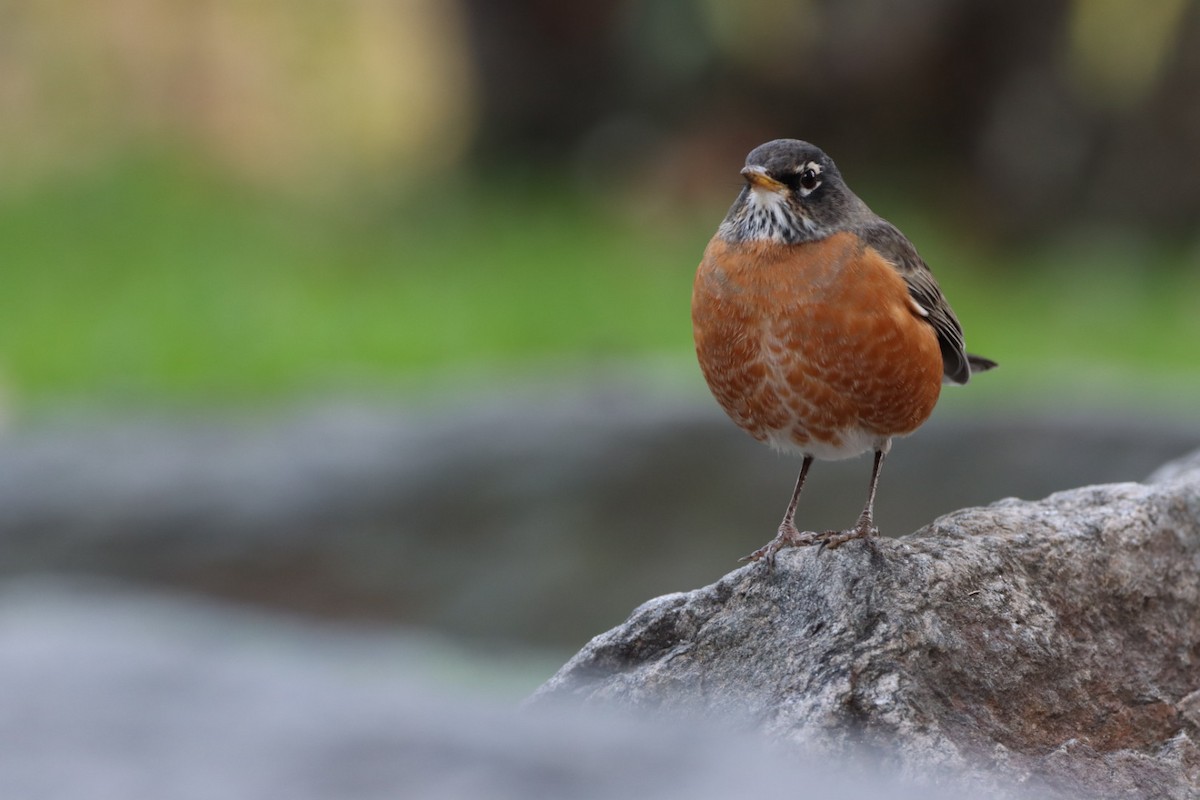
[[156, 284]]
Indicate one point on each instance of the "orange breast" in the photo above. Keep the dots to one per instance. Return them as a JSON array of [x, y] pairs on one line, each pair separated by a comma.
[[814, 346]]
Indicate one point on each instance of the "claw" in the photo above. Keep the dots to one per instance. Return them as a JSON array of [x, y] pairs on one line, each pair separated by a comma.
[[788, 536], [766, 553], [836, 539]]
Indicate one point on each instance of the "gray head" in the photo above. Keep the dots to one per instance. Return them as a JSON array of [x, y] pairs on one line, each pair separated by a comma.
[[793, 193]]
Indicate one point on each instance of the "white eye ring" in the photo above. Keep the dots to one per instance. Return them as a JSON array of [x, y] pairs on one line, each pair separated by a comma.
[[808, 178]]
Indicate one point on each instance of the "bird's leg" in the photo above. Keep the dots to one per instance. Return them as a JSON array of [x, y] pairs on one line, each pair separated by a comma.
[[866, 520], [789, 535]]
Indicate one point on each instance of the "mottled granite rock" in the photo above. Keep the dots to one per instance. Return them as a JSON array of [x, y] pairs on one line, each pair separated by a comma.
[[1054, 642]]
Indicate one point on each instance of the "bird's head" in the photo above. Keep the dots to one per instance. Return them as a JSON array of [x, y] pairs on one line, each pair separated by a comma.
[[793, 193]]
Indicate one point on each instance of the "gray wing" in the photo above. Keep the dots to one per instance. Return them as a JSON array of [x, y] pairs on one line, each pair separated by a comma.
[[923, 287]]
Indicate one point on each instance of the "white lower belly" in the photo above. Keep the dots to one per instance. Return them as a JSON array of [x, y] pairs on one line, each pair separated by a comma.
[[853, 442]]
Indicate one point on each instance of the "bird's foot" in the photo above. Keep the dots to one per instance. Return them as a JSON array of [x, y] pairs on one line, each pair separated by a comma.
[[789, 536], [832, 540]]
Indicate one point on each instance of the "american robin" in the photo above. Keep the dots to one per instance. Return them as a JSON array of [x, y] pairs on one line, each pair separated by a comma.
[[819, 329]]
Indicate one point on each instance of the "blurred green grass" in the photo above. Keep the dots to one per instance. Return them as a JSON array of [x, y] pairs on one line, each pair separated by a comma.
[[155, 282]]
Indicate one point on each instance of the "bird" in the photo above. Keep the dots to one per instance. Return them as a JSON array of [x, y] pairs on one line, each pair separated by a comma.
[[818, 327]]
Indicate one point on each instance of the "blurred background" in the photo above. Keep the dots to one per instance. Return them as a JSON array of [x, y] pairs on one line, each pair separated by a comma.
[[374, 314]]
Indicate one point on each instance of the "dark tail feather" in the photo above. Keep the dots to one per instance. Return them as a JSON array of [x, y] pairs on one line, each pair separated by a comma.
[[980, 364]]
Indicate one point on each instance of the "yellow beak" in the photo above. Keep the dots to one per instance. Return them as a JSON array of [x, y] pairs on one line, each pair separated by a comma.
[[758, 178]]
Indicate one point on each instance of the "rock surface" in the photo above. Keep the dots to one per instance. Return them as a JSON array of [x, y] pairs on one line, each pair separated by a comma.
[[1052, 644]]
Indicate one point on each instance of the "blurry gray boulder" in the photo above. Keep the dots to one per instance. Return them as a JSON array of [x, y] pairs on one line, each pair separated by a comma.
[[118, 693], [538, 517]]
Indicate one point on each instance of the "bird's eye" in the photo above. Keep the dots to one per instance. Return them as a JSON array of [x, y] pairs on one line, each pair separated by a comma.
[[808, 180]]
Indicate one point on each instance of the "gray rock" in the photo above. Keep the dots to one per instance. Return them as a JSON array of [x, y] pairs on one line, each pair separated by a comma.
[[1055, 641]]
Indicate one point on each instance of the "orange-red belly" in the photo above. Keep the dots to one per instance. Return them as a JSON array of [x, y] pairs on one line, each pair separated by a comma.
[[815, 346]]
